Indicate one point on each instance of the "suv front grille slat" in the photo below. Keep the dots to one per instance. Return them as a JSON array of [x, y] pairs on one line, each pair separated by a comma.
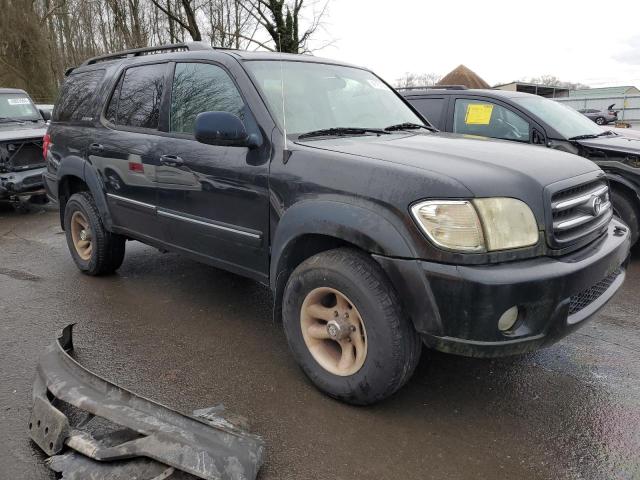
[[591, 294], [580, 211]]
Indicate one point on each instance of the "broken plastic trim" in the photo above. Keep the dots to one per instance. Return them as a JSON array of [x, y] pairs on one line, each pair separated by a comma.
[[207, 447]]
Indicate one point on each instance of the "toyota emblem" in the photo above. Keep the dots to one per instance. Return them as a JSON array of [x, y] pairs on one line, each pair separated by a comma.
[[596, 205]]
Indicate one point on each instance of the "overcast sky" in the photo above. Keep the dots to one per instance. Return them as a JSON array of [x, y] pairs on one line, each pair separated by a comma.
[[597, 43]]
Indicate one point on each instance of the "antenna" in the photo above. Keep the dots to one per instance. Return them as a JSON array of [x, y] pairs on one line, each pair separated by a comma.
[[284, 114]]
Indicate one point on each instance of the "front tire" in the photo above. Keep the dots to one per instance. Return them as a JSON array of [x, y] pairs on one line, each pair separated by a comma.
[[94, 249], [346, 329], [627, 210]]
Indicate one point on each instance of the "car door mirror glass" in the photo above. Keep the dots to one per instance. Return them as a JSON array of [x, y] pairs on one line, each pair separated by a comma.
[[221, 128], [46, 115]]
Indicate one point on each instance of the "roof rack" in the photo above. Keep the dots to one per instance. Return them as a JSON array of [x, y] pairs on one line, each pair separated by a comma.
[[137, 52], [435, 87]]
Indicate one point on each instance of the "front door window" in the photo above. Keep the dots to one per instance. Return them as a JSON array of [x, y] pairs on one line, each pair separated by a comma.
[[488, 119]]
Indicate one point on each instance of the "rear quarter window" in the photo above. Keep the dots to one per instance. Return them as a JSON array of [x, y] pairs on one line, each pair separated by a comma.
[[431, 108], [77, 98]]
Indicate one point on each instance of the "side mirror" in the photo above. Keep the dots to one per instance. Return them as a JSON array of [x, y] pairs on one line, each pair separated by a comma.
[[46, 115], [224, 129]]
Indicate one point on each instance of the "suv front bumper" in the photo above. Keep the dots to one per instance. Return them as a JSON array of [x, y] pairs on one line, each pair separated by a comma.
[[456, 308], [25, 182]]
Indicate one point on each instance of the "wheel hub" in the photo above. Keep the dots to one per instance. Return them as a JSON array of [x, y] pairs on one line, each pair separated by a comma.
[[333, 331], [339, 329]]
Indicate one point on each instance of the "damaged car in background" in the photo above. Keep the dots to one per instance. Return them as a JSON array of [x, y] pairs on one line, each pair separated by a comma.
[[22, 129]]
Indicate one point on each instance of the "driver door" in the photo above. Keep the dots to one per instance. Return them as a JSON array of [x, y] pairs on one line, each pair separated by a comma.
[[489, 119]]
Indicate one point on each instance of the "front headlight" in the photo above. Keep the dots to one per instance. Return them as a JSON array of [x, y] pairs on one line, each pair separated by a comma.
[[481, 225]]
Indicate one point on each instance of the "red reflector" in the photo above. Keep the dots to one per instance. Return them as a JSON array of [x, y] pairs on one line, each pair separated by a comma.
[[46, 141], [136, 167]]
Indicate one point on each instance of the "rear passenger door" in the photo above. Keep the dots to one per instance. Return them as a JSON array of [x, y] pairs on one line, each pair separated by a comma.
[[126, 152], [213, 199]]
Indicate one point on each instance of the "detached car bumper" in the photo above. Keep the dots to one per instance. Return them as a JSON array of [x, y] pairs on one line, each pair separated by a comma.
[[461, 305], [21, 183]]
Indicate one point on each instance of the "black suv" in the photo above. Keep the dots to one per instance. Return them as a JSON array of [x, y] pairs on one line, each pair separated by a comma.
[[22, 129], [375, 234], [527, 118]]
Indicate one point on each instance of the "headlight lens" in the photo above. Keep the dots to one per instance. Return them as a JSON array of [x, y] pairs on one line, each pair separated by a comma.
[[486, 224], [451, 224], [508, 223]]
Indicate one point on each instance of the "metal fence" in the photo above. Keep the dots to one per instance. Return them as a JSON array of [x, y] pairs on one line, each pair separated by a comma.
[[628, 106]]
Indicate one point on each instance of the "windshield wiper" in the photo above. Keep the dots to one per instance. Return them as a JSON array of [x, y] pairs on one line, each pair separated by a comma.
[[341, 131], [11, 119], [409, 126], [583, 137], [606, 132]]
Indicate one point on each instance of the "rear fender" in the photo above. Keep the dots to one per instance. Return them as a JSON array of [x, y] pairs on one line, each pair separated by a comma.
[[77, 167]]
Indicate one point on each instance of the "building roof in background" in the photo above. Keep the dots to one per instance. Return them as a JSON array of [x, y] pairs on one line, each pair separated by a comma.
[[604, 92], [534, 88], [462, 75]]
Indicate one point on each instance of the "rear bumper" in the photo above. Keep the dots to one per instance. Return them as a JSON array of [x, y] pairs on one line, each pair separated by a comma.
[[50, 185], [204, 444], [554, 296], [25, 182]]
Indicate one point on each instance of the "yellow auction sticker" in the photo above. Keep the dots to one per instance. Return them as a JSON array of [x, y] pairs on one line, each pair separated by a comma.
[[478, 114]]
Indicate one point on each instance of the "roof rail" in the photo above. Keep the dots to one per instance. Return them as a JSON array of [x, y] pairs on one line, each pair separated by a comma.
[[435, 87], [136, 52]]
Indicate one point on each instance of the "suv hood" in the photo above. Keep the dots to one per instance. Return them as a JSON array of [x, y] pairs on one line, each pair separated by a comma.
[[484, 166], [618, 143], [19, 131]]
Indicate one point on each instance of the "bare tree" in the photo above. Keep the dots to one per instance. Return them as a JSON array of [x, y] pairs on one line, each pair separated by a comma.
[[409, 80], [281, 20], [41, 39], [553, 81], [184, 16]]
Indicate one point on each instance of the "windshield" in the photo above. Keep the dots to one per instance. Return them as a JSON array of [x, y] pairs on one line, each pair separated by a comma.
[[320, 96], [564, 119], [17, 106]]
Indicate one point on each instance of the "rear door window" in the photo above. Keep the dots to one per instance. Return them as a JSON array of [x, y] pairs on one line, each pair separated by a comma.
[[431, 108], [77, 98], [489, 119], [137, 98]]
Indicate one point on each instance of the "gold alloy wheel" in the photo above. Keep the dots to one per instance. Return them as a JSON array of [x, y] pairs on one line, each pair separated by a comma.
[[333, 331], [81, 235]]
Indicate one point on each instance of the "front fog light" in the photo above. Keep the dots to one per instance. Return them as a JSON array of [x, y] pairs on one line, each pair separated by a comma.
[[508, 319]]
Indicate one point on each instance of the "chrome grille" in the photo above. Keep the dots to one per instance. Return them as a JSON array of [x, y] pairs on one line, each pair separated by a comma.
[[580, 211]]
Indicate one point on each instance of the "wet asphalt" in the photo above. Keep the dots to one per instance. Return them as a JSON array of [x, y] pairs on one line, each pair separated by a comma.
[[191, 336]]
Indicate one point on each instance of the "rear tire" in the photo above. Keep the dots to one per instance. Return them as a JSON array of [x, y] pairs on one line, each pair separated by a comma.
[[349, 281], [627, 210], [600, 120], [94, 249]]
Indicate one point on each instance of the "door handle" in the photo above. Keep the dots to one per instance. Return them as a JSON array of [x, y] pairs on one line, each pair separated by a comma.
[[96, 147], [171, 160]]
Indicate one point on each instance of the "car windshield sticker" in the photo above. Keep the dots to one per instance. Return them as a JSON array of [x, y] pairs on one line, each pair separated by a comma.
[[18, 101], [478, 114]]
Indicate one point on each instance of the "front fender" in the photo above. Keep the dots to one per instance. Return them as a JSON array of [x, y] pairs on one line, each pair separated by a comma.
[[355, 224], [389, 245], [617, 178]]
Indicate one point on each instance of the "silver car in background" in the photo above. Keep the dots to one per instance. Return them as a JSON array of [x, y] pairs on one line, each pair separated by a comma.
[[601, 117]]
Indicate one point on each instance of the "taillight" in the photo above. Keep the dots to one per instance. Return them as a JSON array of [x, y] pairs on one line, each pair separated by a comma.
[[46, 141]]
